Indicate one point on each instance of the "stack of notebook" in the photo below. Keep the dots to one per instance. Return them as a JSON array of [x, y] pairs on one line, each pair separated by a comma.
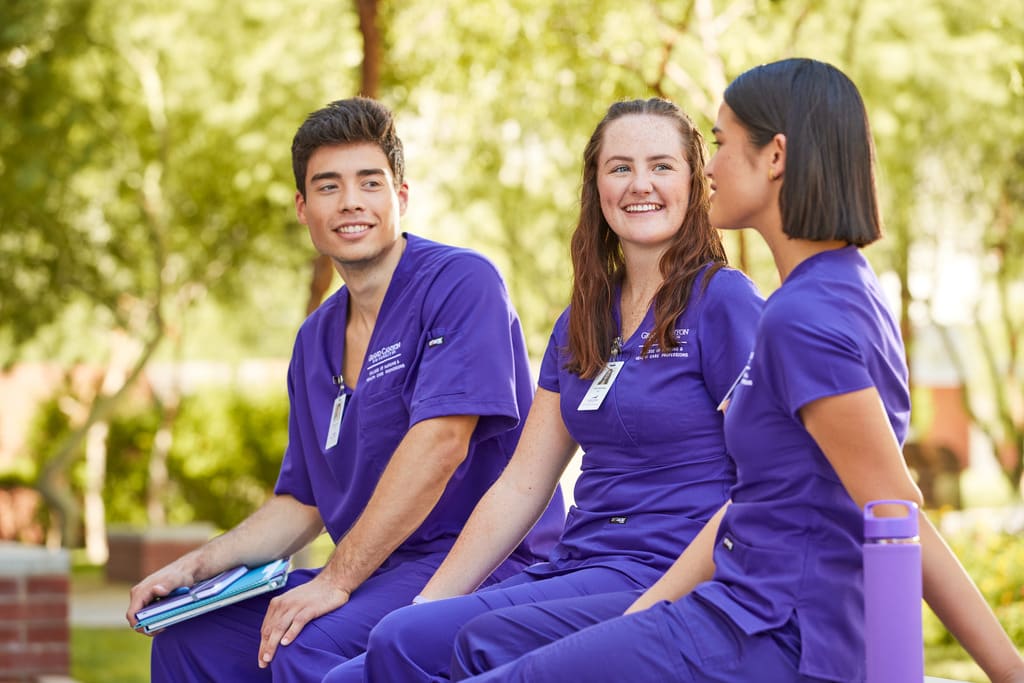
[[223, 589]]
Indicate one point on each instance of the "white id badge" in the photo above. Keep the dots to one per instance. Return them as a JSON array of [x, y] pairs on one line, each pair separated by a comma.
[[336, 412], [601, 386]]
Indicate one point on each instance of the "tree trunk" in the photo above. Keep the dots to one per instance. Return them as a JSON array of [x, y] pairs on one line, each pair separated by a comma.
[[52, 481], [320, 281], [156, 489], [368, 10], [95, 476], [372, 49]]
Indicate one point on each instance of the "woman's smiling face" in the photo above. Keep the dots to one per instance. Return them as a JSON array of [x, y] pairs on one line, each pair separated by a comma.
[[643, 180]]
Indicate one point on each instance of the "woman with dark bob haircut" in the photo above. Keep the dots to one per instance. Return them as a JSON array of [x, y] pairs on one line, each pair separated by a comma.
[[656, 331], [771, 589]]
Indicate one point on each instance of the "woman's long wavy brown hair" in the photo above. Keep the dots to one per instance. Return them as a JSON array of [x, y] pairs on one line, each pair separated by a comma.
[[597, 262]]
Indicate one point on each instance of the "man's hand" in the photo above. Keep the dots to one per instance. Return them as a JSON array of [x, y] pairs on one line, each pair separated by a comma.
[[159, 584], [289, 613]]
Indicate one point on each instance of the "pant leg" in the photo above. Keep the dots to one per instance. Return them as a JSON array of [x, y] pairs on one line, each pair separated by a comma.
[[688, 642], [334, 638], [500, 636], [352, 671], [217, 646], [415, 643]]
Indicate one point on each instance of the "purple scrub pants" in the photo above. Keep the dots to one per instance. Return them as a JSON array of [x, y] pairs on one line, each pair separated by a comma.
[[688, 641], [222, 645], [415, 643]]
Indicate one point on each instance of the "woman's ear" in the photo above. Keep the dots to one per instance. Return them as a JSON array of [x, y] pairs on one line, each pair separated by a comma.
[[777, 156]]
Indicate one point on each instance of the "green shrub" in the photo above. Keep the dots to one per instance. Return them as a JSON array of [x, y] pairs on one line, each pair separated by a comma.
[[129, 443], [225, 454]]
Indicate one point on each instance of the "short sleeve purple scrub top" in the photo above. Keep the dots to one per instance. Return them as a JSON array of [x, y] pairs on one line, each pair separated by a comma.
[[790, 543], [655, 466], [447, 342]]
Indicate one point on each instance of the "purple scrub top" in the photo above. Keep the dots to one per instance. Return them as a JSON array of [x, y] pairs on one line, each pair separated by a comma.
[[447, 342], [790, 544], [655, 466]]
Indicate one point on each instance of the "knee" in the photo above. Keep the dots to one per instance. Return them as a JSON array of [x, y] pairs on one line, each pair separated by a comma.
[[349, 672], [471, 651], [174, 650], [413, 643], [397, 631], [287, 659], [312, 650], [171, 642]]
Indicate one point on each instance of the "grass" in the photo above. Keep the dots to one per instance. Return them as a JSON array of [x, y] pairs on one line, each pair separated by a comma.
[[109, 655]]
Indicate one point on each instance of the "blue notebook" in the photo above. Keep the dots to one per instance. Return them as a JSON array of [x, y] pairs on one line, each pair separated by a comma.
[[226, 588]]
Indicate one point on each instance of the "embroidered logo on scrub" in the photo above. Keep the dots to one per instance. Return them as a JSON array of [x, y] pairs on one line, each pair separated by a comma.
[[384, 361], [677, 351], [617, 520], [727, 542], [436, 341]]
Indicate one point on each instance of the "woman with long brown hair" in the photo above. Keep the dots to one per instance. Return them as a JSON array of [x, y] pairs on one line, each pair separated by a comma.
[[635, 370]]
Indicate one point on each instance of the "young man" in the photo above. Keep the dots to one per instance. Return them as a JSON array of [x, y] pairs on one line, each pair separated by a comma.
[[407, 389]]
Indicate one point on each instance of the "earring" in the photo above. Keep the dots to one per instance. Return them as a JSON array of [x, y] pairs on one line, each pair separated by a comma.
[[771, 176]]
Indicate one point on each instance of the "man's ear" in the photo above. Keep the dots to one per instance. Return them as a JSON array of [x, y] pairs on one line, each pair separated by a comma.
[[403, 198], [300, 207]]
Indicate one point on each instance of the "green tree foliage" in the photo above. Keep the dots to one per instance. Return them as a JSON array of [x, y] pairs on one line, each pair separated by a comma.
[[973, 189], [145, 153], [226, 454], [510, 99], [149, 169], [145, 183], [41, 243]]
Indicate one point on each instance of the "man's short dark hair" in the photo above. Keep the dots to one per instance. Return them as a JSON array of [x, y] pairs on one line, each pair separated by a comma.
[[828, 187], [344, 122]]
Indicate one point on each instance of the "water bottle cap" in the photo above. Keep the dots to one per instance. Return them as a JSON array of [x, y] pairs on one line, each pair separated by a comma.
[[890, 527]]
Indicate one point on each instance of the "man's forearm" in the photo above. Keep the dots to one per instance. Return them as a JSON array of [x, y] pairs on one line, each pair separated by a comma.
[[280, 527]]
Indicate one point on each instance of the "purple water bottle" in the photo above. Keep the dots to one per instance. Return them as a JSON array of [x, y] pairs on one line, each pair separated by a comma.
[[892, 595]]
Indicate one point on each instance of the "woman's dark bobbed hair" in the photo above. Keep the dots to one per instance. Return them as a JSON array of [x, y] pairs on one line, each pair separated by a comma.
[[828, 189]]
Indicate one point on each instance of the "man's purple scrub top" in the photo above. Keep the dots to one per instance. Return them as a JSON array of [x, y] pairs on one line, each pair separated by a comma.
[[447, 342]]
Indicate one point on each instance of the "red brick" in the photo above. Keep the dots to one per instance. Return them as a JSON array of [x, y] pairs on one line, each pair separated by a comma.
[[37, 610], [34, 620], [48, 584], [12, 661], [52, 632], [13, 610], [34, 611], [133, 558], [51, 660]]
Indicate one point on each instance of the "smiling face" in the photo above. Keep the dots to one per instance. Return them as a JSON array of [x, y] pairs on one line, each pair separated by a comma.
[[352, 206], [643, 180]]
